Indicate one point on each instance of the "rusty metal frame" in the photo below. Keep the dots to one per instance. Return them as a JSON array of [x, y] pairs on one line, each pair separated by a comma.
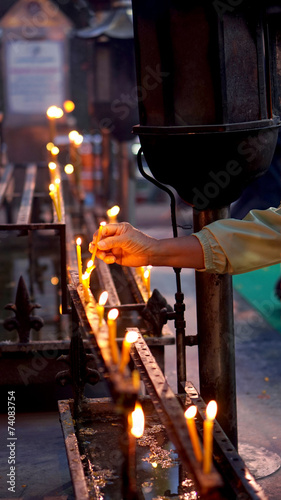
[[23, 224]]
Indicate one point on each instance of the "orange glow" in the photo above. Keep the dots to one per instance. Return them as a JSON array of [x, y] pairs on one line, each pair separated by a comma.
[[113, 314], [72, 135], [211, 410], [68, 106], [55, 150], [103, 298], [190, 412], [69, 169], [49, 146], [52, 165], [138, 421], [54, 112]]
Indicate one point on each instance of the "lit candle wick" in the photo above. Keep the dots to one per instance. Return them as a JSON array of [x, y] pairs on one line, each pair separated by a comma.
[[189, 415], [211, 412], [79, 258], [130, 337], [112, 331], [100, 306]]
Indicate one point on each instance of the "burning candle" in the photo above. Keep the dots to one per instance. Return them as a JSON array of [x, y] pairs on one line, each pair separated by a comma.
[[100, 306], [189, 415], [112, 330], [53, 113], [57, 185], [79, 258], [211, 412], [52, 193], [68, 106], [69, 169], [52, 167], [85, 283], [112, 214], [102, 224], [137, 421], [130, 337], [146, 277]]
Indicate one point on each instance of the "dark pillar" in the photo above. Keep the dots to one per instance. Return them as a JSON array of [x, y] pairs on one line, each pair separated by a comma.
[[216, 336]]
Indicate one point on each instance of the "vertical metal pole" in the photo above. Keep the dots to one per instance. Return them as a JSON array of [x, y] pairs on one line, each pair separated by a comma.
[[216, 336]]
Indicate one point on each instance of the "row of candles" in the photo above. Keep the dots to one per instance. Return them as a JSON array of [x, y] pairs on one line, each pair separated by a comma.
[[136, 418], [205, 456], [54, 113]]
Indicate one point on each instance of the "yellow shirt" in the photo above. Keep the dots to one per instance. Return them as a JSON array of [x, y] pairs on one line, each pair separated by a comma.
[[238, 246]]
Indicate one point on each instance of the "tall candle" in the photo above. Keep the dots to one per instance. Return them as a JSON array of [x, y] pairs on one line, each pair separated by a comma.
[[208, 425], [146, 277], [112, 331], [85, 283], [53, 112], [189, 415], [79, 258], [137, 421], [130, 337], [53, 197], [57, 184], [52, 167], [100, 306], [102, 224]]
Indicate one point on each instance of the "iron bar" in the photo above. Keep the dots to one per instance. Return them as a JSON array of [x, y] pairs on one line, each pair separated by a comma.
[[24, 215], [216, 336]]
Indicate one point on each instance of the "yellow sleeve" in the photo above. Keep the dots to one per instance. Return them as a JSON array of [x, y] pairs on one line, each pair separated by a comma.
[[238, 246]]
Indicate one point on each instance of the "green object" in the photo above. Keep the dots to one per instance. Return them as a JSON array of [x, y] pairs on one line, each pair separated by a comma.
[[258, 288]]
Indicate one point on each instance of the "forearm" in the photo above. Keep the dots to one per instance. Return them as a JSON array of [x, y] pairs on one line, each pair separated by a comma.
[[180, 252]]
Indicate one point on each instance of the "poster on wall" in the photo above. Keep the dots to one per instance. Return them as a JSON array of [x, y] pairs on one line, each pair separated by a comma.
[[35, 77]]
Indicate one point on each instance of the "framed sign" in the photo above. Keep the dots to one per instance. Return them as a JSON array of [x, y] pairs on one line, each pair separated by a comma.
[[34, 75]]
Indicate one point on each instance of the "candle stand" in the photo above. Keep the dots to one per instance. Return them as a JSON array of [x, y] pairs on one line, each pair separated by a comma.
[[97, 443], [26, 363]]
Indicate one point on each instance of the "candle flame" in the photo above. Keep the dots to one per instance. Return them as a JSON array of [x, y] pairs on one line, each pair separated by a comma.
[[131, 336], [55, 150], [73, 134], [190, 412], [52, 165], [78, 241], [78, 139], [49, 146], [90, 263], [103, 223], [54, 112], [137, 421], [57, 181], [146, 273], [113, 211], [52, 187], [69, 169], [113, 314], [68, 106], [103, 298], [211, 410]]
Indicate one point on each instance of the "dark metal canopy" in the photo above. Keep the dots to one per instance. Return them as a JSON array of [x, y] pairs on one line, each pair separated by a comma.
[[208, 94]]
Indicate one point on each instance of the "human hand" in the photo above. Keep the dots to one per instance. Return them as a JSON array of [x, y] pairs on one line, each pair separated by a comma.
[[123, 244]]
